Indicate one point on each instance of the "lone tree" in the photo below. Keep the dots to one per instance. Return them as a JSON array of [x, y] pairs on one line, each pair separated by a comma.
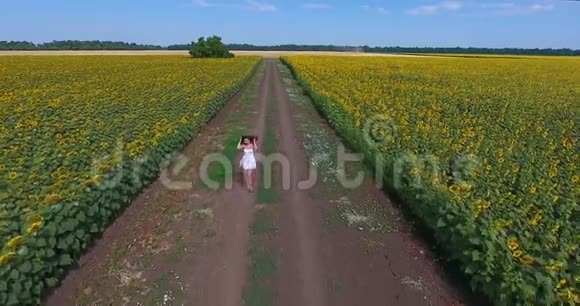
[[210, 48]]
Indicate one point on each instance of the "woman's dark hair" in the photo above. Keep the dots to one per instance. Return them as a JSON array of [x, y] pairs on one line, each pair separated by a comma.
[[250, 138]]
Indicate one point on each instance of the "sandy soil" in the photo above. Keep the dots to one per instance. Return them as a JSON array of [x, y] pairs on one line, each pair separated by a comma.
[[267, 54]]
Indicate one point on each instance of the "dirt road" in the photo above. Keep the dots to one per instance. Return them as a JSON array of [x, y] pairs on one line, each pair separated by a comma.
[[301, 274], [336, 246], [220, 280]]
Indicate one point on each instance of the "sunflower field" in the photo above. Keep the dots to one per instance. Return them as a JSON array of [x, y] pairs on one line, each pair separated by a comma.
[[80, 136], [483, 150]]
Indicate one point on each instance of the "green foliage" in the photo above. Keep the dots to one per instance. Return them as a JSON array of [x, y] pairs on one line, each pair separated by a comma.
[[217, 172], [268, 195], [76, 45], [212, 47], [387, 49], [118, 45]]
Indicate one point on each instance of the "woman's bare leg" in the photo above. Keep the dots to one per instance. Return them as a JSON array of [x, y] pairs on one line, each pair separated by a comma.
[[253, 178], [245, 179], [248, 179]]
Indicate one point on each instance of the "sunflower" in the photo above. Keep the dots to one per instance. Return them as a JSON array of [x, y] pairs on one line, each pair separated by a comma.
[[527, 260], [94, 180], [103, 168], [555, 267], [513, 244], [15, 242], [454, 188], [561, 283], [34, 227], [51, 199], [567, 143], [34, 218], [6, 257]]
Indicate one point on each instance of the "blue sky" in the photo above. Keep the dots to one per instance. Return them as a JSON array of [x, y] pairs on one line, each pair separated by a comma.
[[493, 23]]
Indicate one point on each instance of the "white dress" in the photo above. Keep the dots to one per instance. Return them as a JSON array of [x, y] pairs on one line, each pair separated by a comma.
[[248, 161]]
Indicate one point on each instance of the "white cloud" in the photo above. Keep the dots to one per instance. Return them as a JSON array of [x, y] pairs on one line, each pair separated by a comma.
[[380, 10], [504, 5], [451, 5], [541, 7], [317, 6], [204, 3], [435, 8], [510, 8], [424, 10], [261, 6]]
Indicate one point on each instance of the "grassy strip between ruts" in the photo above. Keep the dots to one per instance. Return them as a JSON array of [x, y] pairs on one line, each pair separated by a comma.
[[264, 261], [266, 193], [264, 264], [219, 173]]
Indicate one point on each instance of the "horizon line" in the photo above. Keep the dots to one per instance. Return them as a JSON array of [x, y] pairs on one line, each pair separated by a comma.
[[292, 44]]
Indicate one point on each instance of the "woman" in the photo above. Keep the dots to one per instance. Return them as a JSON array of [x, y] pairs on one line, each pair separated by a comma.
[[248, 161]]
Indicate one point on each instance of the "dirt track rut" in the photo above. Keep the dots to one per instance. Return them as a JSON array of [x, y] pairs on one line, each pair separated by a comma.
[[220, 280], [302, 276]]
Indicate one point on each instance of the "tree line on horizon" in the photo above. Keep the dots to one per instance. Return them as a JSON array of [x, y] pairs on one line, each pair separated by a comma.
[[76, 45], [117, 45]]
